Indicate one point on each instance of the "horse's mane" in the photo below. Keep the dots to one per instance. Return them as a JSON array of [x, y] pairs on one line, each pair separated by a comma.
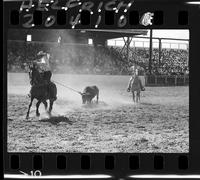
[[35, 76]]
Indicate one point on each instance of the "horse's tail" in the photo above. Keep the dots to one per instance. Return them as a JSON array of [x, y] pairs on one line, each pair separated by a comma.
[[53, 91]]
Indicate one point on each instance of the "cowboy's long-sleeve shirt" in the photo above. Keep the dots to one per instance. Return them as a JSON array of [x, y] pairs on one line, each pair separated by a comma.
[[134, 80], [43, 64]]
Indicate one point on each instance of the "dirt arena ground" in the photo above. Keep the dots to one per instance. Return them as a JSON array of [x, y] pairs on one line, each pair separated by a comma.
[[159, 123]]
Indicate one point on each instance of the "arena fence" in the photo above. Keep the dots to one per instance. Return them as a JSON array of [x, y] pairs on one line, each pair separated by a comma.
[[163, 80]]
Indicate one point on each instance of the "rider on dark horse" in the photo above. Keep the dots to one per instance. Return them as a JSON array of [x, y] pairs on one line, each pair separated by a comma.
[[42, 65], [42, 88]]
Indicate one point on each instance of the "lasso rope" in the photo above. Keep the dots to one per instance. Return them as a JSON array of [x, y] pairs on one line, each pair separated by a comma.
[[68, 87]]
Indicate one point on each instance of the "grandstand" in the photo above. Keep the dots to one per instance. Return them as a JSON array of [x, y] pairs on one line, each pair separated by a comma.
[[73, 54]]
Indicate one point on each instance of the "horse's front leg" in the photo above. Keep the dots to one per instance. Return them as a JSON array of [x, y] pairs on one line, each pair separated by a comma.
[[139, 96], [29, 107], [45, 105], [136, 97], [50, 106], [37, 108], [133, 96]]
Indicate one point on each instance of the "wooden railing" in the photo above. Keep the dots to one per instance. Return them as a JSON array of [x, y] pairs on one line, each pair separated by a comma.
[[164, 80]]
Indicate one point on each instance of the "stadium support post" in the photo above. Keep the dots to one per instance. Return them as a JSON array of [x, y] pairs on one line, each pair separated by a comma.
[[150, 51], [160, 49], [175, 80], [127, 49], [26, 48], [95, 58]]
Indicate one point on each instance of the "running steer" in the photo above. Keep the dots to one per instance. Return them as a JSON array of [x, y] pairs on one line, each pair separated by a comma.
[[89, 93]]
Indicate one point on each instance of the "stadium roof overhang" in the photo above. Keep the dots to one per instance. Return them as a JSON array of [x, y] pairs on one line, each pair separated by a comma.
[[77, 35], [112, 33]]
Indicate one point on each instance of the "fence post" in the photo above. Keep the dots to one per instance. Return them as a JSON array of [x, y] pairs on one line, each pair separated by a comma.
[[184, 79], [165, 80], [155, 80], [150, 51], [175, 80], [159, 50], [145, 80]]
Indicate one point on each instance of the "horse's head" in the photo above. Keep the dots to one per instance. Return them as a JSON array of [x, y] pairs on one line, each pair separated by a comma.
[[34, 74]]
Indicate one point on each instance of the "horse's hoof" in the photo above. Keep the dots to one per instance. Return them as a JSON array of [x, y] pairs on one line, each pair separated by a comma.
[[27, 117]]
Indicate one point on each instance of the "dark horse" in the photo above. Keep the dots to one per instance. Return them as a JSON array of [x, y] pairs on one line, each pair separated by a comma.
[[41, 91]]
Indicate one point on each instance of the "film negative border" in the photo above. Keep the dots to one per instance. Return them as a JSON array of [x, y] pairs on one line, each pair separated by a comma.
[[99, 15], [134, 18], [118, 165], [109, 18]]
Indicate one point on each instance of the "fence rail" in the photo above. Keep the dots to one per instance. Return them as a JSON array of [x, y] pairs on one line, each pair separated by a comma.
[[153, 80]]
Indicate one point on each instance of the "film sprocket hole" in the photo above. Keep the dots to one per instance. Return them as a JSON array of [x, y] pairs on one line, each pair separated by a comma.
[[100, 89]]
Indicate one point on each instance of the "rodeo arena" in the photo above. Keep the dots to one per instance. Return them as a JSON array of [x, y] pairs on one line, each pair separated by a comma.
[[97, 90]]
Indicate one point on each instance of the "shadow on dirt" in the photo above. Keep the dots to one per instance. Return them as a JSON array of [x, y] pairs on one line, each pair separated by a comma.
[[57, 119]]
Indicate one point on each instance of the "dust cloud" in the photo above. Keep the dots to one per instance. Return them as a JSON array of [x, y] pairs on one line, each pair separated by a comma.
[[112, 92], [72, 55], [72, 101]]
